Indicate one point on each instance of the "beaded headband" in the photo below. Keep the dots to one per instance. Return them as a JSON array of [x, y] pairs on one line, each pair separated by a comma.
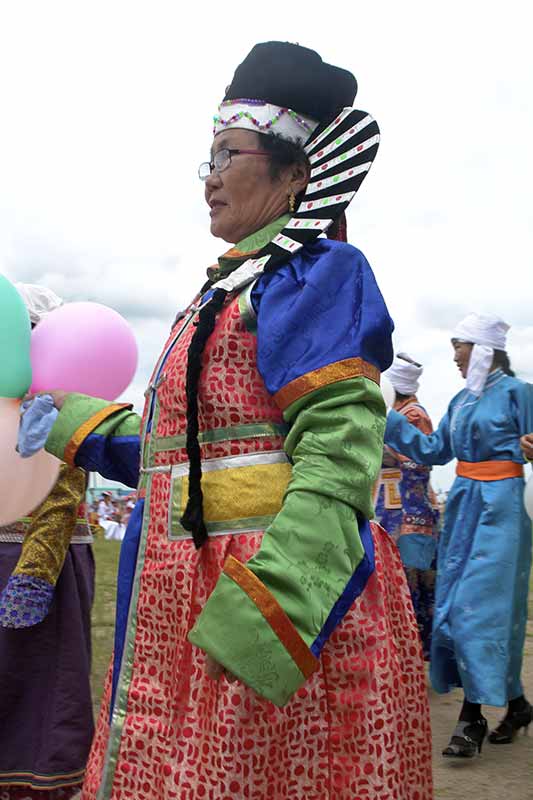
[[340, 153], [261, 117]]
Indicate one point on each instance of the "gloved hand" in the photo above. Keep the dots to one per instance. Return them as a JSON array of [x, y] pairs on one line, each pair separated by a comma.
[[37, 416]]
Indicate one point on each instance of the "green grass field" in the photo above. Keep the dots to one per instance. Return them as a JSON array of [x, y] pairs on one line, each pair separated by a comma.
[[106, 556], [103, 617]]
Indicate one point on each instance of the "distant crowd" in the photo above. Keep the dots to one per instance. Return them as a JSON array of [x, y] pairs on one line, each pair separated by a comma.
[[111, 513]]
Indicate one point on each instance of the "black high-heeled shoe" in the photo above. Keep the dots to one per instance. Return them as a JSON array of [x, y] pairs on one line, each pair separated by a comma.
[[467, 739], [507, 729]]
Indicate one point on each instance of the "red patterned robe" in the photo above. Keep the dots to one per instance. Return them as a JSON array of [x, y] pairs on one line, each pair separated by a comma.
[[357, 727]]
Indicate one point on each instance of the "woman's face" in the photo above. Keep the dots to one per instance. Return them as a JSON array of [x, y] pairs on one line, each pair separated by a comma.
[[461, 355], [243, 198]]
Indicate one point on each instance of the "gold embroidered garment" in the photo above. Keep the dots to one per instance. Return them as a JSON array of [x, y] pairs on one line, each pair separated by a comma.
[[52, 526]]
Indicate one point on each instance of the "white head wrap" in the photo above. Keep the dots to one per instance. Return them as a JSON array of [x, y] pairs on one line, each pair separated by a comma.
[[404, 374], [487, 333], [38, 300], [254, 115], [485, 329]]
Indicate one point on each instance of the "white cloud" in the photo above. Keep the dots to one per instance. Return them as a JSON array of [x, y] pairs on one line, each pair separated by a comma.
[[106, 114]]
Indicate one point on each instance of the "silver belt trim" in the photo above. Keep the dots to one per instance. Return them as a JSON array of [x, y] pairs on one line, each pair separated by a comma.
[[18, 538], [233, 462], [225, 462]]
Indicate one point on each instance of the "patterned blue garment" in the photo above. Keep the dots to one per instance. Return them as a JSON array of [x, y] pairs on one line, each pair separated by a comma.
[[321, 307], [406, 507], [484, 554]]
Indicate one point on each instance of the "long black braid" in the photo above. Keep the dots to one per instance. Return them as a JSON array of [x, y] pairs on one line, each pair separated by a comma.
[[282, 153], [193, 516]]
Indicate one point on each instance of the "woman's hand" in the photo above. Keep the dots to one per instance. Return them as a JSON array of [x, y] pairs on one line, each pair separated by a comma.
[[215, 670], [58, 396], [526, 443]]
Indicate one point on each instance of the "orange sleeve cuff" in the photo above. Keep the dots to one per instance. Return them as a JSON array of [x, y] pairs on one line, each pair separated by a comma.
[[324, 376], [273, 614], [79, 436]]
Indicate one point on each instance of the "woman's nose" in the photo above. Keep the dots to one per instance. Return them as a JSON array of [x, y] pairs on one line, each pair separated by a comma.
[[212, 181]]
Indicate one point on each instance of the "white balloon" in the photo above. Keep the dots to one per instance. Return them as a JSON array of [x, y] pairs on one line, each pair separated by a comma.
[[528, 497], [24, 482], [387, 390]]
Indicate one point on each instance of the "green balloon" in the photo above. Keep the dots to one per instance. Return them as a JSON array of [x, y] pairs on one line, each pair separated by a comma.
[[15, 339]]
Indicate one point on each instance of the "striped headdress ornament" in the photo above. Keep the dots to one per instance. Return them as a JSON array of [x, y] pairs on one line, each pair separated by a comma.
[[341, 153]]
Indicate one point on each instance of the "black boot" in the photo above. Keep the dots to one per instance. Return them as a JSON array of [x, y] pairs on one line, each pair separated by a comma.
[[519, 715]]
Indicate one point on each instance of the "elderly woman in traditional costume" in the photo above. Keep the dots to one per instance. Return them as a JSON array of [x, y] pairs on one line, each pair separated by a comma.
[[405, 503], [265, 642], [484, 554], [46, 593]]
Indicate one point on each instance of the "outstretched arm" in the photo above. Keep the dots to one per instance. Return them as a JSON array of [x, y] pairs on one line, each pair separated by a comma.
[[98, 436], [428, 449]]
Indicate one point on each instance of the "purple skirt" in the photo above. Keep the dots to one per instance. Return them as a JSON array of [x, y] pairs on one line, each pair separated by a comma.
[[46, 721]]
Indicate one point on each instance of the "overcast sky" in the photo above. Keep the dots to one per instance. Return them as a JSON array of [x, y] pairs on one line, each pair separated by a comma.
[[106, 113]]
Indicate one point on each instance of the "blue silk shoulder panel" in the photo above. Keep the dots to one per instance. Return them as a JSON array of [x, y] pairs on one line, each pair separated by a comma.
[[323, 306]]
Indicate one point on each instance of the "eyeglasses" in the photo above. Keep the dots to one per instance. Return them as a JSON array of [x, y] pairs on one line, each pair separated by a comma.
[[222, 160]]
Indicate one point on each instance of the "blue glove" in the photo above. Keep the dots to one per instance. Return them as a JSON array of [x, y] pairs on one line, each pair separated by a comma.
[[37, 417]]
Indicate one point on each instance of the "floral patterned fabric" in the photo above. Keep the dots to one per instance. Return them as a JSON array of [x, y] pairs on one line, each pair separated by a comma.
[[406, 508], [24, 601]]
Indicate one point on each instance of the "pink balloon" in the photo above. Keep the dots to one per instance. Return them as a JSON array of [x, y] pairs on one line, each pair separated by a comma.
[[24, 482], [86, 348]]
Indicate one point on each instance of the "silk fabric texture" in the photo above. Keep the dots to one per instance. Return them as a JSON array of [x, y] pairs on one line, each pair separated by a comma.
[[168, 725], [484, 555]]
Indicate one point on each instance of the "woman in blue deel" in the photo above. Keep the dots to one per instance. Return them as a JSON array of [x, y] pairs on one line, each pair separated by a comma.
[[484, 555]]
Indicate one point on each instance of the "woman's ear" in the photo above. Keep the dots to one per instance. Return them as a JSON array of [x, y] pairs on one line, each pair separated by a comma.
[[300, 174]]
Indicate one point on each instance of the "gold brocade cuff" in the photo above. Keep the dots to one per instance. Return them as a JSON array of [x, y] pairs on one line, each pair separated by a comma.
[[324, 376]]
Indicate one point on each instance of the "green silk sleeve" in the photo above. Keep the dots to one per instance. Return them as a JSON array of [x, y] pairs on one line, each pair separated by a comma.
[[263, 618], [98, 436]]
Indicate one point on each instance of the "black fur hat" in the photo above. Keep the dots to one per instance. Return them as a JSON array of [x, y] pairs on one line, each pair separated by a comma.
[[295, 77]]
